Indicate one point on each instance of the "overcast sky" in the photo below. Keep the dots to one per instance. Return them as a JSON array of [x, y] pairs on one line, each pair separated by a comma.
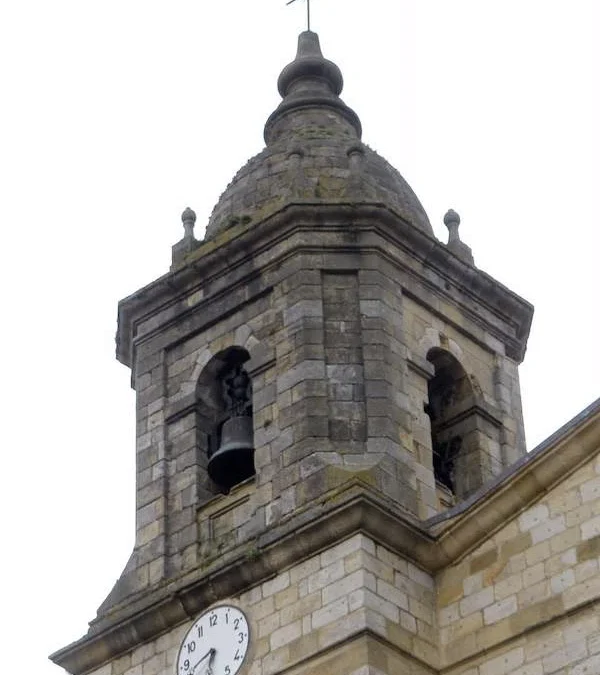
[[116, 115]]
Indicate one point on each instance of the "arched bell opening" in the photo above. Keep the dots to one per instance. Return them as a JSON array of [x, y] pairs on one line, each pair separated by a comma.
[[224, 418], [449, 393]]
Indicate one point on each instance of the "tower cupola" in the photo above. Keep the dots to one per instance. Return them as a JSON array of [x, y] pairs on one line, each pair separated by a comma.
[[313, 154]]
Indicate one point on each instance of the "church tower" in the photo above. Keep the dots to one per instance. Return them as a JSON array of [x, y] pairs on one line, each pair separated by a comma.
[[319, 383]]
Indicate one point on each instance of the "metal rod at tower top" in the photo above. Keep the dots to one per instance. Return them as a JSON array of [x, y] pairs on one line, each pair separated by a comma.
[[307, 11]]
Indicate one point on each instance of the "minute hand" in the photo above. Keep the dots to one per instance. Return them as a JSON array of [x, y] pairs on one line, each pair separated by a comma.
[[210, 653], [210, 660]]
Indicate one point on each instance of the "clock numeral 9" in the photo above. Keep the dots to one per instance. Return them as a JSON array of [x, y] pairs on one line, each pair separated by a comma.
[[186, 664]]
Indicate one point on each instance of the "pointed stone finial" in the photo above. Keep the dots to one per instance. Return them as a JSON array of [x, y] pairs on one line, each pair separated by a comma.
[[188, 218], [459, 248], [189, 242]]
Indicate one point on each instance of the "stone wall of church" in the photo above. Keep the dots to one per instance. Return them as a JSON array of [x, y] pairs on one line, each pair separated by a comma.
[[525, 602], [325, 603], [529, 597]]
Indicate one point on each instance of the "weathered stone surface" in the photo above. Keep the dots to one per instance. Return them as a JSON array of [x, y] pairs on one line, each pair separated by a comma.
[[346, 548]]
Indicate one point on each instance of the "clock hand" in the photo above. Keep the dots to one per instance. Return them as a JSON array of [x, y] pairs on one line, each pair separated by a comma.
[[211, 653], [209, 671]]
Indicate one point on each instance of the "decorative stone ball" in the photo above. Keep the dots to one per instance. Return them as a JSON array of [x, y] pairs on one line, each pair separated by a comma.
[[188, 216], [451, 218]]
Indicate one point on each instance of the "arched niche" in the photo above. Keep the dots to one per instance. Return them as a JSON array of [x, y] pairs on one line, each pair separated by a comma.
[[447, 390], [465, 434], [215, 406]]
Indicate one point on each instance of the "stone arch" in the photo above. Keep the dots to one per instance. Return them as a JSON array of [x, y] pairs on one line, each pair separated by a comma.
[[243, 338], [433, 338], [215, 408], [464, 435], [450, 393]]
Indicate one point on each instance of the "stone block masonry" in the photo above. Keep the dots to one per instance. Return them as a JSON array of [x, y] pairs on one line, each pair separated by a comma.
[[330, 317], [526, 601], [541, 570], [320, 605], [344, 358]]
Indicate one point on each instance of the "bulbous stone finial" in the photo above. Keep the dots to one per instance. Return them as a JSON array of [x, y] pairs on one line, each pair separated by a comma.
[[451, 217], [189, 242], [459, 248], [310, 82], [452, 221], [188, 218], [310, 62]]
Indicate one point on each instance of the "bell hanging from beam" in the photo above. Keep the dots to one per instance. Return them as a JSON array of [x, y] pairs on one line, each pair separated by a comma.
[[233, 461]]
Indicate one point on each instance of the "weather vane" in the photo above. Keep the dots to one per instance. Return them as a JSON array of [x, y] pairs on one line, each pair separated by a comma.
[[307, 11]]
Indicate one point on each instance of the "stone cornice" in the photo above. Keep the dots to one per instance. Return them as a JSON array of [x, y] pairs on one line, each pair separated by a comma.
[[216, 258], [353, 508]]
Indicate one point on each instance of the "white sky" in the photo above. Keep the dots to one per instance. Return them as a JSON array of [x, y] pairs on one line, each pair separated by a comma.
[[116, 115]]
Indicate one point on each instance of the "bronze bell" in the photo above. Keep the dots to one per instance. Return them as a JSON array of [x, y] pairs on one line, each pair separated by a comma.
[[233, 461]]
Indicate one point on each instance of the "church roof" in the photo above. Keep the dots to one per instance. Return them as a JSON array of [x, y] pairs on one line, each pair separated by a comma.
[[313, 153]]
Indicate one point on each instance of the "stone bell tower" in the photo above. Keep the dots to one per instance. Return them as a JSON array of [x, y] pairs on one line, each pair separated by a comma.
[[317, 381]]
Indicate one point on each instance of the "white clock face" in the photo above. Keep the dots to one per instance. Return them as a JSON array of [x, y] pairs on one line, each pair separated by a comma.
[[216, 644]]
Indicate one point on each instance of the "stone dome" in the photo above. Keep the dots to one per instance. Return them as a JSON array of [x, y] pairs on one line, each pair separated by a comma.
[[313, 153]]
